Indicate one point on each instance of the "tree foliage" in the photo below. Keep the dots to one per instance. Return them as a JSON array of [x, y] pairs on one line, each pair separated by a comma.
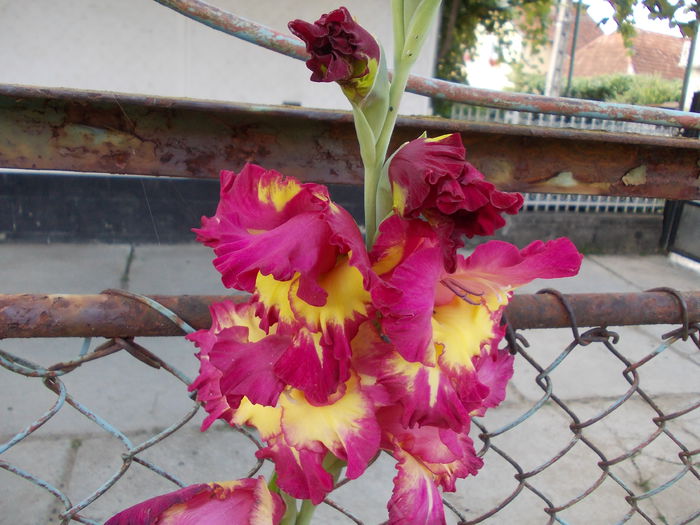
[[460, 19]]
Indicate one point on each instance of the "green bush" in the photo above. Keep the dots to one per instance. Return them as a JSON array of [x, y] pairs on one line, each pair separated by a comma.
[[645, 90]]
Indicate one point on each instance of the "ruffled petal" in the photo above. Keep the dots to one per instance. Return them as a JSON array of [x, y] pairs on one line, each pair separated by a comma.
[[299, 435], [346, 426], [319, 358], [430, 177], [426, 394], [496, 268], [273, 225], [243, 501], [416, 499], [237, 359], [407, 257], [494, 368], [311, 367], [300, 471], [428, 458]]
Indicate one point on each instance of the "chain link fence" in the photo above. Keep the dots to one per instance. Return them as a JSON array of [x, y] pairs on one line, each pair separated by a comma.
[[599, 426]]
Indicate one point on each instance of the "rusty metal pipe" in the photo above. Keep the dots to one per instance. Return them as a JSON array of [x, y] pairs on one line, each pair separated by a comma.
[[27, 315]]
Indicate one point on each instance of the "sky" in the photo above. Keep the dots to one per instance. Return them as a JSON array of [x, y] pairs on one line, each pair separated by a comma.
[[599, 9]]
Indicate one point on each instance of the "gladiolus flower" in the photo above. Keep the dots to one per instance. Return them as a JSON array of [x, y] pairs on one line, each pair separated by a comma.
[[454, 310], [305, 259], [246, 501], [269, 224], [341, 51], [430, 177], [444, 326]]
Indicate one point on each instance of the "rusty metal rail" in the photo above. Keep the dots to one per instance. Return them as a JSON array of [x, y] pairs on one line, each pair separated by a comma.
[[266, 37], [57, 129], [112, 315]]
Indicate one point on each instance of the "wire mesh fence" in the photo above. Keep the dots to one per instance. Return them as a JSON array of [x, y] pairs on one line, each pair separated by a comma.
[[571, 203], [599, 426]]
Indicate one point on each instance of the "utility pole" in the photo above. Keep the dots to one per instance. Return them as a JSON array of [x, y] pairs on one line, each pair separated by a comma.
[[556, 60]]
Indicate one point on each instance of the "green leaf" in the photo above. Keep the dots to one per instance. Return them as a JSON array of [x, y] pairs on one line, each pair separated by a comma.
[[420, 22]]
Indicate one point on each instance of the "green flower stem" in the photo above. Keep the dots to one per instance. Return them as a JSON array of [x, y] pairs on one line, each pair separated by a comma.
[[398, 85], [366, 139], [290, 515], [374, 153], [373, 171], [305, 513], [333, 466], [371, 182]]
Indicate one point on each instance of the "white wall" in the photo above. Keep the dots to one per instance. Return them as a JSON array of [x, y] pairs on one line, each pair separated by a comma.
[[139, 46]]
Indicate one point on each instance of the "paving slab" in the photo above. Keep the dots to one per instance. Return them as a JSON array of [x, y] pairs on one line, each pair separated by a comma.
[[532, 444], [61, 268], [120, 389], [592, 278], [649, 271], [22, 501], [175, 269]]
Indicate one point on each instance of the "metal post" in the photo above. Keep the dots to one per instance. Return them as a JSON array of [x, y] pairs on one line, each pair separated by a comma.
[[553, 80], [574, 42], [689, 66]]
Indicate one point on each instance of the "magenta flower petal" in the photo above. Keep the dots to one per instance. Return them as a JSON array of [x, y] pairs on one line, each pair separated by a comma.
[[243, 501], [496, 268], [248, 368], [430, 396], [236, 359], [493, 370], [300, 472], [431, 177], [341, 51], [407, 257], [345, 426], [416, 499], [272, 225], [300, 435], [429, 458], [311, 367]]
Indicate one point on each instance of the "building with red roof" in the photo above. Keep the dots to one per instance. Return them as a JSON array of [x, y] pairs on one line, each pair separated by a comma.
[[650, 54]]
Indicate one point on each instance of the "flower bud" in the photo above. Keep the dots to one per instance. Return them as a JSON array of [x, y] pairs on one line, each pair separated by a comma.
[[341, 51]]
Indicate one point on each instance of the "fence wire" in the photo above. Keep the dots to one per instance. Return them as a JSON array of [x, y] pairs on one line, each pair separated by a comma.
[[598, 426]]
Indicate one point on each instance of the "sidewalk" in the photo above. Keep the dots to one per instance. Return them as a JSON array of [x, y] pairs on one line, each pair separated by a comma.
[[77, 456]]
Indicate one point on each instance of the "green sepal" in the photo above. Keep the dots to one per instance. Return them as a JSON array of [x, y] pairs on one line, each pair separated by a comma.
[[385, 196], [375, 105], [365, 135]]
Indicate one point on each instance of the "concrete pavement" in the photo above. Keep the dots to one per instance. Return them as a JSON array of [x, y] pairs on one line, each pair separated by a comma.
[[77, 456]]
